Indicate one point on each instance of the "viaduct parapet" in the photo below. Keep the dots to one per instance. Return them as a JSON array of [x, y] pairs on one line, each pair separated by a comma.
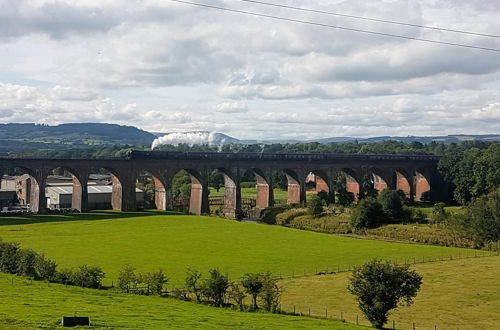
[[414, 174]]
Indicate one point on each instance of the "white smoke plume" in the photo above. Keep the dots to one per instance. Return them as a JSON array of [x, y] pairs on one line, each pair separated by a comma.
[[189, 138]]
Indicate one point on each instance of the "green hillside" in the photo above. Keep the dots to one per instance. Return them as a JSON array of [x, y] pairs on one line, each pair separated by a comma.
[[175, 242], [25, 305]]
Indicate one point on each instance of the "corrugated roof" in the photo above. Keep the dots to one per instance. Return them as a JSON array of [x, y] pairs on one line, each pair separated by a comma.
[[68, 190]]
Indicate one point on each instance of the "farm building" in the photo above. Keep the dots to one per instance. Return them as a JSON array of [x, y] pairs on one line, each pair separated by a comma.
[[59, 196]]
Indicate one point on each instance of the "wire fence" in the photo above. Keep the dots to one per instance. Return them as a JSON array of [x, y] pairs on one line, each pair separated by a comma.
[[345, 268], [358, 319]]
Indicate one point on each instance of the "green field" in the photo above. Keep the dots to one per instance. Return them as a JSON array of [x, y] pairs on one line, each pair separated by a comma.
[[462, 294], [151, 240], [25, 304], [280, 195]]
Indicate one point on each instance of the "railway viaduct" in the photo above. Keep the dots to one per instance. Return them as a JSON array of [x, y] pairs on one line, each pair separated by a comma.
[[414, 174]]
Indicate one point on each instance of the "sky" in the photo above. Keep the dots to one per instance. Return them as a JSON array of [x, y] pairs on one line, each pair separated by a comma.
[[169, 67]]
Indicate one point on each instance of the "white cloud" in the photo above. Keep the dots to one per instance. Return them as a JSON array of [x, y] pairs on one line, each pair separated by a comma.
[[173, 68]]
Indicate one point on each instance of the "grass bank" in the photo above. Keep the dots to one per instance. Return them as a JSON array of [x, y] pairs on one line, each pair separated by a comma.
[[174, 242], [455, 294]]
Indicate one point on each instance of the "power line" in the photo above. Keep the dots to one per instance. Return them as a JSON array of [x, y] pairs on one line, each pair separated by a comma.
[[334, 26], [371, 19]]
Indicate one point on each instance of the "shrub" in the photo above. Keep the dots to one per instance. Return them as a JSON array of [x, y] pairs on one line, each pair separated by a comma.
[[180, 293], [45, 268], [270, 294], [88, 277], [439, 214], [314, 206], [153, 281], [482, 218], [237, 294], [392, 205], [287, 216], [345, 198], [215, 287], [246, 184], [127, 279], [26, 264], [253, 283], [9, 258], [268, 215], [367, 214], [193, 283], [382, 286], [64, 276]]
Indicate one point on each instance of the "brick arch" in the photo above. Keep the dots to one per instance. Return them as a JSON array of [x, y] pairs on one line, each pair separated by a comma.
[[30, 189], [422, 183], [381, 180], [404, 181], [295, 189], [264, 190], [198, 200], [160, 187], [353, 181], [79, 195]]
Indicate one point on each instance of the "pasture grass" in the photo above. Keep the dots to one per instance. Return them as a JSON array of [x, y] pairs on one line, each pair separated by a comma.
[[280, 195], [174, 242], [463, 294], [25, 304]]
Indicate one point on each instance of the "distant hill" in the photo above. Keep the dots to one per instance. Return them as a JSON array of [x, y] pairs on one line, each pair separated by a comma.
[[30, 136]]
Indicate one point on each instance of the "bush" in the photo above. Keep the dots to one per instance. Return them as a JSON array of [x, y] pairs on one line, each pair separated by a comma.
[[382, 286], [88, 277], [482, 218], [26, 264], [253, 283], [270, 293], [45, 268], [392, 205], [153, 281], [247, 184], [367, 214], [439, 214], [287, 216], [268, 215], [9, 258], [345, 198], [193, 283], [127, 279], [64, 276], [314, 206], [237, 294], [215, 287]]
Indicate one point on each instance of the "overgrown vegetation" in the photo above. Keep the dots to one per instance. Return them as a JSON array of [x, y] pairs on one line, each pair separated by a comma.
[[26, 262]]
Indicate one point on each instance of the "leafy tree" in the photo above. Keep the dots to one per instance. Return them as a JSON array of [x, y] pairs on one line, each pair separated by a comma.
[[381, 286], [253, 284], [271, 293], [216, 180], [392, 205], [314, 206], [215, 287], [88, 277], [154, 282], [367, 214], [237, 294], [181, 185], [482, 218], [127, 279], [193, 283]]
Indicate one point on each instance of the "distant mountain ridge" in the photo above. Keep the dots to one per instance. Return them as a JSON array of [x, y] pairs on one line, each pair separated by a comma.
[[17, 136], [30, 136]]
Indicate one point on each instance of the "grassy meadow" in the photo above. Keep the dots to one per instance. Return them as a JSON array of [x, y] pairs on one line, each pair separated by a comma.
[[457, 294], [280, 195], [174, 242], [25, 304]]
